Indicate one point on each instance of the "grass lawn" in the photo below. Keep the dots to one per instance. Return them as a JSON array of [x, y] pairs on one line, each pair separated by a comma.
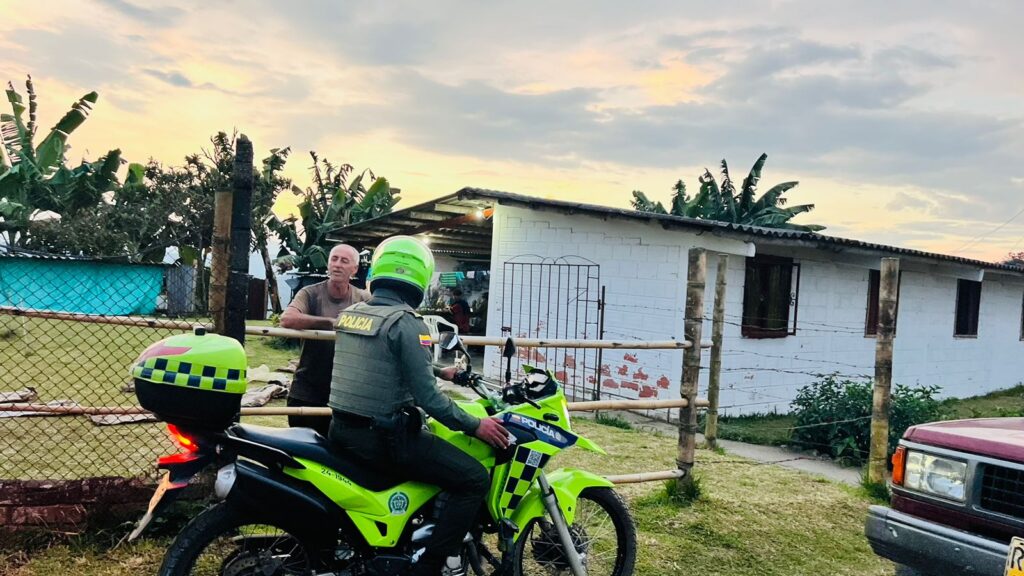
[[768, 429], [86, 363], [750, 519], [1009, 402]]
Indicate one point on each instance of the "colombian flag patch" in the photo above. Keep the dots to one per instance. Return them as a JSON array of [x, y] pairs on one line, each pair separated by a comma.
[[425, 340]]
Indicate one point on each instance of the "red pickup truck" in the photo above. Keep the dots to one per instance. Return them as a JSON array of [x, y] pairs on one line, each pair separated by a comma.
[[957, 500]]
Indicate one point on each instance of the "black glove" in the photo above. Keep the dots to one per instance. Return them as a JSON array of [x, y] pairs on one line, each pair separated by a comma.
[[464, 378]]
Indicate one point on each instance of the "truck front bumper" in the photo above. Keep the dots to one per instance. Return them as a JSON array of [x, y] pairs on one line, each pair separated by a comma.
[[932, 548]]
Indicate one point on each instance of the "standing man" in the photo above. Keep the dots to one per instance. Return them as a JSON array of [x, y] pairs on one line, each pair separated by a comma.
[[460, 311], [383, 375], [317, 307]]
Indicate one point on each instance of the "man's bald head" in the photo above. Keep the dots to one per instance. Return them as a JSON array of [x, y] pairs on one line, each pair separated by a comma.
[[342, 263]]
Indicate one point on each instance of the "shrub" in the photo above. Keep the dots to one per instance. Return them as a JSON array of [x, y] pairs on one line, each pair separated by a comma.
[[683, 493], [834, 416], [280, 342], [613, 421]]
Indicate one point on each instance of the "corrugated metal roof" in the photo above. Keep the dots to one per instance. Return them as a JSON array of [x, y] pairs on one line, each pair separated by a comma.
[[7, 251], [458, 235]]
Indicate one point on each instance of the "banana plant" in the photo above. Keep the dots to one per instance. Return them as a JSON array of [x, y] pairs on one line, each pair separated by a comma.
[[724, 203], [35, 178], [334, 202]]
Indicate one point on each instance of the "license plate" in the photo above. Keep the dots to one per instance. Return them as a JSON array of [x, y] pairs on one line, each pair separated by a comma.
[[161, 489], [1015, 558]]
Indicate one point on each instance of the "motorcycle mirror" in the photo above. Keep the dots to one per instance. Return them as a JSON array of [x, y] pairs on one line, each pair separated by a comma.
[[509, 350], [449, 341]]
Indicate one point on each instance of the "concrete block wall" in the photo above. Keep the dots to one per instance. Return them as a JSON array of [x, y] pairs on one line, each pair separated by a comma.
[[644, 269], [763, 375]]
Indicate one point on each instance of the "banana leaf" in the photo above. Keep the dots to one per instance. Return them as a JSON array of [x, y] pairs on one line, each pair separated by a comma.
[[24, 137], [749, 188], [728, 195], [50, 151], [773, 196], [642, 204]]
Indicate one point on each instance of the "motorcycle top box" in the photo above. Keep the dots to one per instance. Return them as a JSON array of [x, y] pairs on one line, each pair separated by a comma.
[[194, 380]]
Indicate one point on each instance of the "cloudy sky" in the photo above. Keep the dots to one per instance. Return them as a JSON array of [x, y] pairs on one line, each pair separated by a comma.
[[901, 120]]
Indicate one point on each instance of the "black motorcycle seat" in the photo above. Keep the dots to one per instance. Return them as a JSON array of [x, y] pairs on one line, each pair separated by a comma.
[[307, 443]]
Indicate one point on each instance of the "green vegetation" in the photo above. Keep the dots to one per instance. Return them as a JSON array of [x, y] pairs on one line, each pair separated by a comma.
[[335, 202], [1009, 402], [726, 204], [833, 416], [613, 421], [913, 406], [749, 519], [35, 178], [767, 429]]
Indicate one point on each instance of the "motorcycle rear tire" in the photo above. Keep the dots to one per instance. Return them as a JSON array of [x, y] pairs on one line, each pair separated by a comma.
[[202, 530]]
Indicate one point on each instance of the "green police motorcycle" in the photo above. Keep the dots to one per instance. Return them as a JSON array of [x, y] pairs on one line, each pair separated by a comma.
[[286, 504]]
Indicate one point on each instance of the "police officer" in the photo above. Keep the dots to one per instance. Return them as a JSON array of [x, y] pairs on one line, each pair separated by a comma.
[[382, 372]]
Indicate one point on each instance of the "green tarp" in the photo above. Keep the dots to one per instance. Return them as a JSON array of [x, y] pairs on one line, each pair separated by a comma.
[[82, 286]]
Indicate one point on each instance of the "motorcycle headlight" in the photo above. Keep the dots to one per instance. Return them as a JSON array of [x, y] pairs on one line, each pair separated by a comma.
[[935, 475]]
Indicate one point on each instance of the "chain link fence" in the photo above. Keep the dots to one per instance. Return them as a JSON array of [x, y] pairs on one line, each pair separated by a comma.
[[64, 343]]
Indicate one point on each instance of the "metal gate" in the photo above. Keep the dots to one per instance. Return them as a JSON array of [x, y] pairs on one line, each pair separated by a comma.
[[556, 298]]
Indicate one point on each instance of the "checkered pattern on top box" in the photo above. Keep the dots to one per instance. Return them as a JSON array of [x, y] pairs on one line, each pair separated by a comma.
[[170, 371]]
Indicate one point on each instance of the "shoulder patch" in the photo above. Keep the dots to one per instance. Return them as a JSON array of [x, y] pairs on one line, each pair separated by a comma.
[[356, 323], [425, 340]]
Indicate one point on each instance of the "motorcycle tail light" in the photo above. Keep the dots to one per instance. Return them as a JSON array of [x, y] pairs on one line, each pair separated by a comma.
[[183, 439]]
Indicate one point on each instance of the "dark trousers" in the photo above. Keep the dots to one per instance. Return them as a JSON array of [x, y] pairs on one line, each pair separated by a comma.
[[318, 423], [421, 456]]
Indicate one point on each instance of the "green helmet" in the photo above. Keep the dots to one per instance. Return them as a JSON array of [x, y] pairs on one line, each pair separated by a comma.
[[404, 259]]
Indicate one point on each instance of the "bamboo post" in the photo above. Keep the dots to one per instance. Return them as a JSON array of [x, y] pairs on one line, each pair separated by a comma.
[[236, 307], [222, 200], [693, 322], [275, 296], [714, 378], [645, 477], [889, 278]]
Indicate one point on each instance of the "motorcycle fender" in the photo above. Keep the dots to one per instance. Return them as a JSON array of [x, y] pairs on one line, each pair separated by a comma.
[[567, 483], [588, 444], [180, 468]]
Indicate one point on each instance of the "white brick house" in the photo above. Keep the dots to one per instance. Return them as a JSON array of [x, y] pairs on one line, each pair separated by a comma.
[[797, 305]]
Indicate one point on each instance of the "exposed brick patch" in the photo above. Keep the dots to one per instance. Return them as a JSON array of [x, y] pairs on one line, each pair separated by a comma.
[[68, 505], [61, 516]]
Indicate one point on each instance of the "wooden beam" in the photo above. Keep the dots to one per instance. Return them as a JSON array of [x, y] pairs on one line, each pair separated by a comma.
[[432, 216], [453, 209], [453, 222]]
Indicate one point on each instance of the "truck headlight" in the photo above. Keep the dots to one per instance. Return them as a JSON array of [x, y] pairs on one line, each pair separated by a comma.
[[935, 475]]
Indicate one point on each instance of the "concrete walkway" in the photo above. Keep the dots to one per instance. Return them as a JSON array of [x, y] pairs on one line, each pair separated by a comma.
[[767, 454]]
